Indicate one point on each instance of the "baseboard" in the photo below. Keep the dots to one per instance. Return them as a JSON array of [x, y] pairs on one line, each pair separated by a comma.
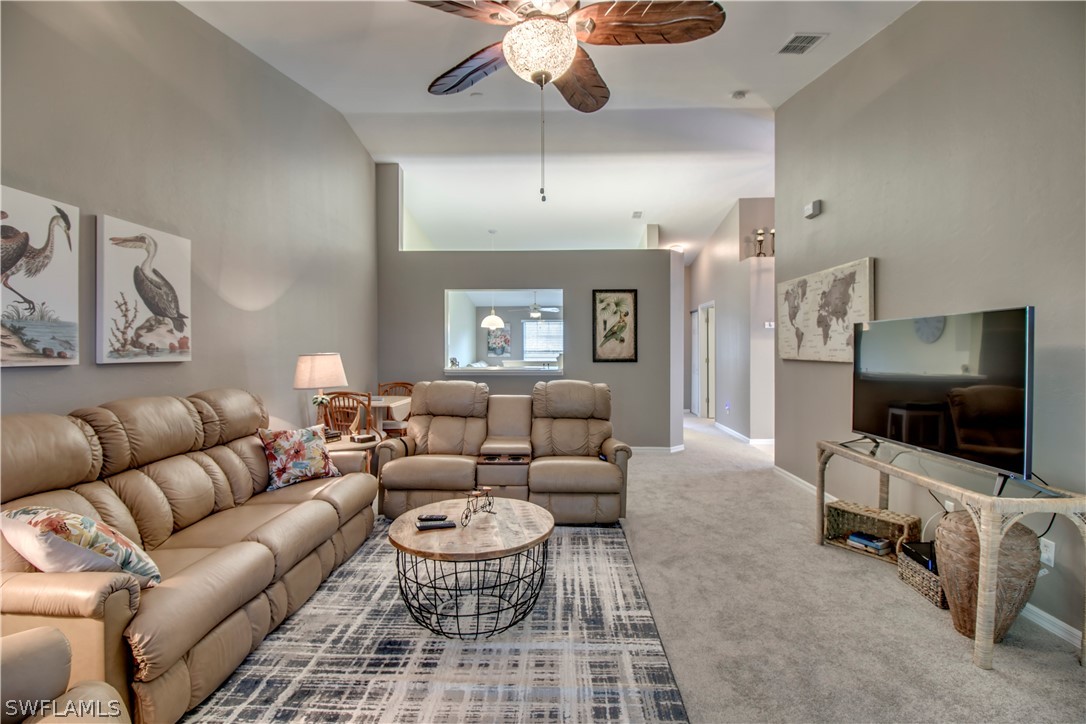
[[1053, 625], [740, 436], [672, 449], [1048, 622], [800, 482], [737, 435]]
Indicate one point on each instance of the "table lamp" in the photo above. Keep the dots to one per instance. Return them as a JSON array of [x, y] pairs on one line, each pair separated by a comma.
[[317, 371]]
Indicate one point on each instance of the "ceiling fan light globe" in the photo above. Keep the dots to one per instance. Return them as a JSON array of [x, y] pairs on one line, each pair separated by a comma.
[[540, 49]]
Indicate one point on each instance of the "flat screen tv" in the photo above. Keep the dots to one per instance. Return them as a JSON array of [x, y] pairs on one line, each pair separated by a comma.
[[959, 385]]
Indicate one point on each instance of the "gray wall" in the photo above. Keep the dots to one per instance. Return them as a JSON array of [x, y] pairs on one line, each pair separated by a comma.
[[144, 112], [412, 336], [742, 292], [950, 147]]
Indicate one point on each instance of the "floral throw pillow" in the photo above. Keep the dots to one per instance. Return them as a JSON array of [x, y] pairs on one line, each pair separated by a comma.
[[296, 455], [57, 541]]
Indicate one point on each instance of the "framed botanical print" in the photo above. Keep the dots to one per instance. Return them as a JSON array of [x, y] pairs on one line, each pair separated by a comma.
[[614, 325]]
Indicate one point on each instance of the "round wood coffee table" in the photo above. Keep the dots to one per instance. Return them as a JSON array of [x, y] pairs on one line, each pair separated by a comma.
[[476, 580]]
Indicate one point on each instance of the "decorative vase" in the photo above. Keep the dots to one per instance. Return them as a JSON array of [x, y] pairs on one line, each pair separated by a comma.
[[957, 548]]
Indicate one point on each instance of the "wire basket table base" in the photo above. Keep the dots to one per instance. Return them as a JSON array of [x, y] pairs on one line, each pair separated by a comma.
[[472, 599]]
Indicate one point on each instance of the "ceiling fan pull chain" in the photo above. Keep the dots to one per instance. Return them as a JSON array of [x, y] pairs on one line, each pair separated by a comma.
[[542, 193]]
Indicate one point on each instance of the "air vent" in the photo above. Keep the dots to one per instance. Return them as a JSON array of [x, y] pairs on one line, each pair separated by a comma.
[[800, 43], [636, 215]]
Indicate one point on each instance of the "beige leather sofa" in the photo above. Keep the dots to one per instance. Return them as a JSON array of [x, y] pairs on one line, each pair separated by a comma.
[[573, 466], [35, 668], [186, 479]]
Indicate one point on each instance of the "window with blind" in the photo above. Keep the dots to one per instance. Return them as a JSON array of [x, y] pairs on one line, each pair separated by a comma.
[[542, 339]]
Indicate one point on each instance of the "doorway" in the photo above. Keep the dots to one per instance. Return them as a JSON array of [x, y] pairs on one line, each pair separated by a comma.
[[703, 360]]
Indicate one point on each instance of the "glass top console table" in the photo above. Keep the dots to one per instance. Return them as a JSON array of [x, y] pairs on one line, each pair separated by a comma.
[[993, 515]]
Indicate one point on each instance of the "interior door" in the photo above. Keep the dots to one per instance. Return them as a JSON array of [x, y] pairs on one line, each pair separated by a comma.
[[695, 364], [709, 370]]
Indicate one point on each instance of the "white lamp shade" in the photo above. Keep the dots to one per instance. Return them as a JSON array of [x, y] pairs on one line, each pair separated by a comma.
[[492, 321], [320, 370], [540, 45]]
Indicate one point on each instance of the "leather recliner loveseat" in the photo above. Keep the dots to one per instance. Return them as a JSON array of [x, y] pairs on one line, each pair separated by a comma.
[[186, 480], [571, 464]]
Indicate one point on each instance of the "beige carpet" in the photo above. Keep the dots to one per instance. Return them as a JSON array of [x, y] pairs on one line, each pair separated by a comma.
[[762, 625]]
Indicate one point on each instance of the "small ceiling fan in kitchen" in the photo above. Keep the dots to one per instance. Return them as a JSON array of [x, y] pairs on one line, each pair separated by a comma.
[[535, 311]]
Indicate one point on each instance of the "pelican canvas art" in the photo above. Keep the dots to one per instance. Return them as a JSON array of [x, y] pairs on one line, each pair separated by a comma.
[[144, 294], [40, 316]]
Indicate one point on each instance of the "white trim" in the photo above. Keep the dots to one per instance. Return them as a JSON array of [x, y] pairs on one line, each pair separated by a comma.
[[740, 436], [737, 435], [800, 482], [1047, 621], [645, 449], [1050, 623]]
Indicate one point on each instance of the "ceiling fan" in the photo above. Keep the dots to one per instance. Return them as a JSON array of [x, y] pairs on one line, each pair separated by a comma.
[[534, 310], [542, 44]]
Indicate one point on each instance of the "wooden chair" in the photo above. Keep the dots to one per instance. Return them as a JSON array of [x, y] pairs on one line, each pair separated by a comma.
[[344, 408], [341, 413], [395, 428]]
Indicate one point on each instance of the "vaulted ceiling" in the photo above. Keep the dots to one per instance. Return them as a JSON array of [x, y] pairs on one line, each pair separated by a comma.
[[673, 142]]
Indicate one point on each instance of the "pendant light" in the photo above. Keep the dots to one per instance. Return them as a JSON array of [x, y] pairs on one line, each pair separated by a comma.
[[492, 320]]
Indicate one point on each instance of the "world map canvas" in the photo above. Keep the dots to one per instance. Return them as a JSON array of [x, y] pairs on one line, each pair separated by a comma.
[[815, 313]]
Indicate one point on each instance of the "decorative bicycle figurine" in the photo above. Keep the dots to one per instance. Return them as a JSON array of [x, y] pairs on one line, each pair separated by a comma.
[[479, 501]]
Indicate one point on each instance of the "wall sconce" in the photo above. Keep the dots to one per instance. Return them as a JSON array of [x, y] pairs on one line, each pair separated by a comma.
[[759, 239]]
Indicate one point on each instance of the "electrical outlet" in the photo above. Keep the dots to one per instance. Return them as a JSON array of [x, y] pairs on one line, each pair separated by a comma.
[[949, 505], [1048, 551]]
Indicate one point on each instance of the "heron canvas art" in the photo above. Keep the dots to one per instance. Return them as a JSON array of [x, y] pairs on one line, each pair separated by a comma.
[[40, 278], [144, 294]]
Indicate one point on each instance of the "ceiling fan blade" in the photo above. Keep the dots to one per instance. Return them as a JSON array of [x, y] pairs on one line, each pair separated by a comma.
[[469, 72], [485, 11], [582, 86], [643, 23]]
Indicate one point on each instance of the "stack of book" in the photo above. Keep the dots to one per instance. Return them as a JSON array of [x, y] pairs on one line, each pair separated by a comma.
[[332, 435], [869, 543]]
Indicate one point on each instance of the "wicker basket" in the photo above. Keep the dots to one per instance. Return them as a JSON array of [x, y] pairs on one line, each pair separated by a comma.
[[925, 582], [844, 518]]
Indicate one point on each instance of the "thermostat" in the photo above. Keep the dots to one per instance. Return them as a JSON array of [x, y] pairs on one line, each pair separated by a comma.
[[812, 209]]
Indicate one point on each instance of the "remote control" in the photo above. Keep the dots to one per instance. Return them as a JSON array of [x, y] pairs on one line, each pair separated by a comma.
[[434, 516], [435, 524]]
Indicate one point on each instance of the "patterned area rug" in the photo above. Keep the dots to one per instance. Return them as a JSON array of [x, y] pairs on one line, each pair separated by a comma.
[[588, 652]]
